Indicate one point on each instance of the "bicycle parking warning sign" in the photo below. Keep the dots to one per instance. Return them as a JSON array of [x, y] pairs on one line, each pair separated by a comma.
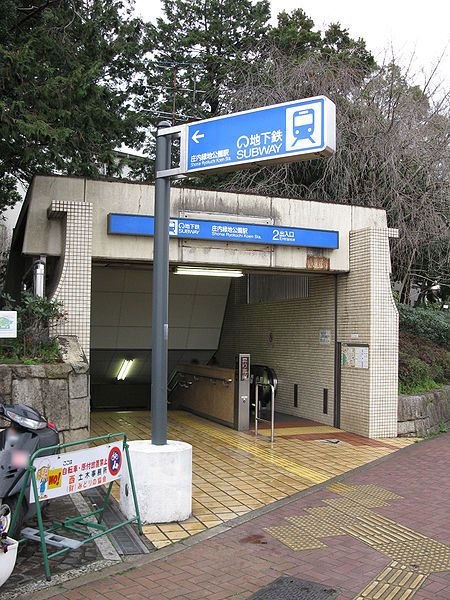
[[72, 472]]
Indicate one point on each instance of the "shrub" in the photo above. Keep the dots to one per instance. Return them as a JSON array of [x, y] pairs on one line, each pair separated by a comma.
[[33, 342], [415, 376], [423, 365], [426, 323]]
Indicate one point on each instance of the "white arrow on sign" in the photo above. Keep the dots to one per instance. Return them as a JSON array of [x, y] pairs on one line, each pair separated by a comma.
[[197, 135]]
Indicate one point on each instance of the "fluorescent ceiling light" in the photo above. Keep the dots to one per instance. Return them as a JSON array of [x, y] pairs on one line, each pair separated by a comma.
[[208, 272], [124, 369]]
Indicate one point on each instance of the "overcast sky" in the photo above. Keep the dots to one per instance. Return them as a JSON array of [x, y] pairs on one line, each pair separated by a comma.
[[410, 27]]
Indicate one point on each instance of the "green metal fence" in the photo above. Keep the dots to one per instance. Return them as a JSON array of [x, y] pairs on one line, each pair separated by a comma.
[[81, 525]]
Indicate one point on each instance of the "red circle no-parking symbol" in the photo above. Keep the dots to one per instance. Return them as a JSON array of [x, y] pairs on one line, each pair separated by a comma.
[[114, 461]]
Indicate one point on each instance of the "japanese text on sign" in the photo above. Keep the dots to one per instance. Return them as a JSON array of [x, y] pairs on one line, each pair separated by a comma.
[[63, 474], [355, 356], [295, 130], [123, 224]]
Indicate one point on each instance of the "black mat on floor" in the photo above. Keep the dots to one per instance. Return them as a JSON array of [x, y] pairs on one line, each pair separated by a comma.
[[291, 588]]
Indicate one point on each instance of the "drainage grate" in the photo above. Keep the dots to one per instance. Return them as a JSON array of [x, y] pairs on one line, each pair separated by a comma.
[[290, 588], [125, 540]]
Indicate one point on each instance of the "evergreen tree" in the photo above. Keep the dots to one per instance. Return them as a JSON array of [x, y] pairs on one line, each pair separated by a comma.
[[197, 50], [68, 69], [337, 44], [297, 37], [294, 34]]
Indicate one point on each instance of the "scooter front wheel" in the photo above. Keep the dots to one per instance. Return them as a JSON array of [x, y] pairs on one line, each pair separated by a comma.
[[9, 506]]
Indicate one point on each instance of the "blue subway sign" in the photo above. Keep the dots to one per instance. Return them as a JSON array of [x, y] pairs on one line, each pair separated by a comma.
[[288, 132], [197, 229]]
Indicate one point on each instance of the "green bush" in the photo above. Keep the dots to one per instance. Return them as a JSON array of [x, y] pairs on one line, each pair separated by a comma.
[[423, 365], [415, 376], [426, 323], [33, 343]]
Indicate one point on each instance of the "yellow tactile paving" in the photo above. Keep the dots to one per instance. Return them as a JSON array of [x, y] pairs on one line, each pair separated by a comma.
[[427, 555], [320, 527], [235, 473], [395, 582], [400, 442], [295, 538], [362, 493], [414, 556], [303, 430]]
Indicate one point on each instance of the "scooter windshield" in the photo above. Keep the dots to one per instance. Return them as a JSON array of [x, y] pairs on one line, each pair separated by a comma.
[[25, 420]]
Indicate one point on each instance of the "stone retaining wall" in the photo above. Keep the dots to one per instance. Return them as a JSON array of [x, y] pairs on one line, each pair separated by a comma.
[[59, 391], [423, 414]]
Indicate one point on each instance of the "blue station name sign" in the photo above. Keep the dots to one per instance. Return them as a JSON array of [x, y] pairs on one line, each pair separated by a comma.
[[292, 131], [142, 225]]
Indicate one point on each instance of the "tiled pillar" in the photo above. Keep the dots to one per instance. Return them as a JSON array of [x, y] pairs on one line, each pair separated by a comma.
[[74, 286], [384, 340], [367, 315]]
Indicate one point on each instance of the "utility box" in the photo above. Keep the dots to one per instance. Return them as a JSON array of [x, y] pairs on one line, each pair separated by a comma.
[[242, 391]]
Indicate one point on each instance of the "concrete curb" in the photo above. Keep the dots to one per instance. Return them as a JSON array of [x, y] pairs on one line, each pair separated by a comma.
[[176, 547]]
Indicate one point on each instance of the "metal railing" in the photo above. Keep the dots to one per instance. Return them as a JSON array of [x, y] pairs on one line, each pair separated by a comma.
[[182, 378], [258, 419]]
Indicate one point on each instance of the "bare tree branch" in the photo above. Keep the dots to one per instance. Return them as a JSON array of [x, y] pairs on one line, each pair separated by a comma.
[[392, 152]]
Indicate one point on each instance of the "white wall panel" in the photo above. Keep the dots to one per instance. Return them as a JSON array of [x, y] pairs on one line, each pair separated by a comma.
[[122, 309], [203, 338], [135, 309], [105, 309]]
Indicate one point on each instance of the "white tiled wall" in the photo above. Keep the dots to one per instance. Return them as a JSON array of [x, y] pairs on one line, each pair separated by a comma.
[[384, 341], [367, 315], [74, 286], [285, 336], [354, 306]]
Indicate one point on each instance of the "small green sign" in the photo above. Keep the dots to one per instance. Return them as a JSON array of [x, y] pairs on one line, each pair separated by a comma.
[[8, 324]]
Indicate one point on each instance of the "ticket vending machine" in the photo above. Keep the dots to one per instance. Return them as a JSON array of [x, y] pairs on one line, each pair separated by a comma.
[[242, 393]]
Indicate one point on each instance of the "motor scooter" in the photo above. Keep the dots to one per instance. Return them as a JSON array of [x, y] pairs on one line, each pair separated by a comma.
[[28, 431]]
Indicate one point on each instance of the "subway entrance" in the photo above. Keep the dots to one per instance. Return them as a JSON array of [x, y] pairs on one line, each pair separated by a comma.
[[284, 323], [318, 312]]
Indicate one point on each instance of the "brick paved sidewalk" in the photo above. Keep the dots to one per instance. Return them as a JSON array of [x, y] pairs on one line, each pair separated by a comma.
[[381, 532]]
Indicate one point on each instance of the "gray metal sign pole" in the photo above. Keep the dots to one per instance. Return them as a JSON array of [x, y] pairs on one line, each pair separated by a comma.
[[160, 318]]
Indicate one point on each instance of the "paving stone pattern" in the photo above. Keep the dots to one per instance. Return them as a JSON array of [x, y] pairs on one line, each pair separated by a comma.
[[234, 473], [412, 493]]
